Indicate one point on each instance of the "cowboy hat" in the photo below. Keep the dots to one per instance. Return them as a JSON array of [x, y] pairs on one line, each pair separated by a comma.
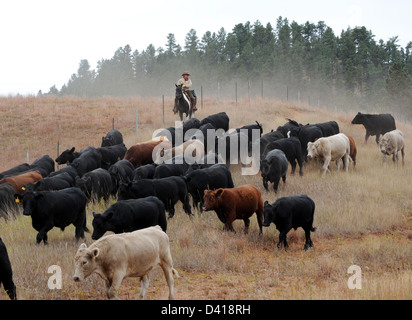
[[185, 73]]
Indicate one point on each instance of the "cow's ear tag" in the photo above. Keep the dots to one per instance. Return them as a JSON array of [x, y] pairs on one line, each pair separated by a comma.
[[23, 188], [17, 200]]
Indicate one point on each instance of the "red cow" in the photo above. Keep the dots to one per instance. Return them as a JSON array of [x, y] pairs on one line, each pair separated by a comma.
[[21, 180], [141, 153], [235, 203]]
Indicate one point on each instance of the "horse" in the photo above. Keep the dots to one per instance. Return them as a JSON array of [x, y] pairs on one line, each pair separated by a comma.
[[182, 104]]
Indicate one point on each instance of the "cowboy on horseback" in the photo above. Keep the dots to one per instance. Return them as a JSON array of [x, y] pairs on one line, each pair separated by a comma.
[[186, 84]]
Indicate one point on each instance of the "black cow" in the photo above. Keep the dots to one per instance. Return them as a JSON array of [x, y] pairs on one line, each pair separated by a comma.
[[292, 149], [192, 123], [144, 172], [60, 208], [291, 124], [130, 215], [111, 154], [96, 184], [169, 190], [219, 121], [88, 160], [121, 171], [375, 124], [67, 169], [15, 170], [6, 272], [305, 134], [44, 164], [291, 212], [68, 155], [328, 128], [212, 178], [249, 131], [175, 168], [57, 182], [112, 138], [266, 139], [274, 167]]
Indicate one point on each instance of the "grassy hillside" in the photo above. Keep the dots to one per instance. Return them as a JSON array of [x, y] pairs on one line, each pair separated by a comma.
[[363, 217]]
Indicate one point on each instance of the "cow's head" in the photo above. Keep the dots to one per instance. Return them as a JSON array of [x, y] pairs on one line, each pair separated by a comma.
[[358, 119], [101, 224], [312, 149], [85, 262], [85, 184], [211, 199], [264, 168], [269, 213], [125, 191], [385, 146], [29, 199], [65, 156]]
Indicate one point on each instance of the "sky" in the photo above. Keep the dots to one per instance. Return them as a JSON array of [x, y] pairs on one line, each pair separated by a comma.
[[43, 41]]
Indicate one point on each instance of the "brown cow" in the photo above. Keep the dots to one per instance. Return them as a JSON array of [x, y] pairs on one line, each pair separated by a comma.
[[353, 150], [21, 180], [235, 203], [141, 153]]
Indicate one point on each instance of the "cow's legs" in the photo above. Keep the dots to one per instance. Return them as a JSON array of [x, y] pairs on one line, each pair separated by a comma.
[[403, 155], [308, 242], [167, 270], [247, 224], [282, 238], [145, 284], [377, 138], [293, 164], [42, 235], [115, 285], [325, 165]]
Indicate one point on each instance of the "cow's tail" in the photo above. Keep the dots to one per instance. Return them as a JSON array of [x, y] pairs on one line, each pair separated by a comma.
[[313, 229], [86, 229]]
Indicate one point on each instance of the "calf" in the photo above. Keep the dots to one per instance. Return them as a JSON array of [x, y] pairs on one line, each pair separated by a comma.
[[112, 138], [169, 190], [332, 148], [214, 177], [130, 215], [274, 167], [291, 212], [236, 203], [391, 143], [130, 254], [96, 184], [60, 208]]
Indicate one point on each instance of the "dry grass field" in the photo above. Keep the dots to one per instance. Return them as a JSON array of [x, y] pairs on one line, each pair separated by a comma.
[[363, 217]]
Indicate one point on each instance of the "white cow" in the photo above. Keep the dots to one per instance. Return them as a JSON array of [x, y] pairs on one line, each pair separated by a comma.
[[332, 148], [131, 254], [391, 143]]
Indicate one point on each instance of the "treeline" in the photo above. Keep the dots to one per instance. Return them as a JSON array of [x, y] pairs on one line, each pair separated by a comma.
[[308, 59]]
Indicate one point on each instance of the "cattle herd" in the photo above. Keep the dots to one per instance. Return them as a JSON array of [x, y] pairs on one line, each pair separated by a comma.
[[146, 189]]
